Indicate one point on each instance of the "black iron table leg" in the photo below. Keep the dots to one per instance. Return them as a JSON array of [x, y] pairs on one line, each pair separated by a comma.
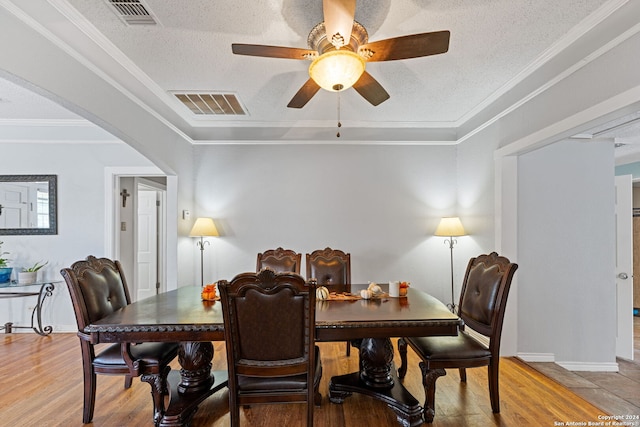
[[46, 290]]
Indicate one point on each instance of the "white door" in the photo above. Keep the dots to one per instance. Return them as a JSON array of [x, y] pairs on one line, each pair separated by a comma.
[[147, 244], [14, 206], [624, 266]]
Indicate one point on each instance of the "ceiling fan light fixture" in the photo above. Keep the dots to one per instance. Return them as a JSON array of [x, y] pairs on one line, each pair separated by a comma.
[[337, 70]]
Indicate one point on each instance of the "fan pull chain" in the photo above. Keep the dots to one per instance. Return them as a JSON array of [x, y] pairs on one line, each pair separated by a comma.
[[339, 124]]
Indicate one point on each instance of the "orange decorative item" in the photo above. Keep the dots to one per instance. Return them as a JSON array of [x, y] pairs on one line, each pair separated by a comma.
[[209, 293], [403, 288]]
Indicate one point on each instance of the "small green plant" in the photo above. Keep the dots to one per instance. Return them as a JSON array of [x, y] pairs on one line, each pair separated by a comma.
[[3, 261], [37, 266]]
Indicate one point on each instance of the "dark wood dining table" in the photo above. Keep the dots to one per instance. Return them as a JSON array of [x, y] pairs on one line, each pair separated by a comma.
[[181, 316]]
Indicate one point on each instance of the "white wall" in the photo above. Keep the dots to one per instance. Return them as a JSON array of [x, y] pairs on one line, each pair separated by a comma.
[[567, 237], [477, 198], [238, 184], [57, 73], [81, 217], [379, 203], [569, 94], [127, 237]]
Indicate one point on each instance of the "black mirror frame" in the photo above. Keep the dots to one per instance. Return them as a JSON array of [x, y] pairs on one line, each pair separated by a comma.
[[53, 204]]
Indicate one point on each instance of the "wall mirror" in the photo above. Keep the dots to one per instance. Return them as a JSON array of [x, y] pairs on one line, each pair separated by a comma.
[[28, 204]]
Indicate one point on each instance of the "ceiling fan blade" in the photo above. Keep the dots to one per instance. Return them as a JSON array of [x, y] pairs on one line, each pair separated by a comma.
[[370, 89], [405, 47], [304, 95], [272, 51], [338, 19]]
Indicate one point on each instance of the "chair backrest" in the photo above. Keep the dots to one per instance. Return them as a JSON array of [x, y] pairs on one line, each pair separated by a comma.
[[331, 268], [97, 287], [279, 260], [269, 323], [483, 298]]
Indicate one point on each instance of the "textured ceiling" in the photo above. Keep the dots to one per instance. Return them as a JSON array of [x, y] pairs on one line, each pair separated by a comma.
[[494, 45], [491, 42]]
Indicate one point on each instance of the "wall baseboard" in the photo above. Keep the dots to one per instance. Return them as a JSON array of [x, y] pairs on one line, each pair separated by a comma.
[[568, 365], [590, 366], [537, 357], [62, 329]]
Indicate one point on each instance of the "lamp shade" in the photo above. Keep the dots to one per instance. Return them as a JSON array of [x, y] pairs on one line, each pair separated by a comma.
[[450, 227], [337, 70], [204, 227]]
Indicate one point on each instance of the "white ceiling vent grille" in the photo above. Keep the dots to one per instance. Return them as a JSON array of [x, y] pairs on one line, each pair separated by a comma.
[[216, 104], [132, 12]]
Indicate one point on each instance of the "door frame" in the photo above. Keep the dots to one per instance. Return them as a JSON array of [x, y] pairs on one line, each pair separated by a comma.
[[112, 177]]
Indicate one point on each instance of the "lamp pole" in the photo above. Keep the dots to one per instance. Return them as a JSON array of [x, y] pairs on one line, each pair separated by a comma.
[[203, 227], [450, 227], [451, 241], [201, 247]]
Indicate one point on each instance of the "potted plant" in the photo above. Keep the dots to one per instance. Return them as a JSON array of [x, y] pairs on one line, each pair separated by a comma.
[[5, 270], [30, 274]]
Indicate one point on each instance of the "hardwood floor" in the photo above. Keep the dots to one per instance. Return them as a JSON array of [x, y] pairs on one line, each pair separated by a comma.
[[41, 385], [612, 392]]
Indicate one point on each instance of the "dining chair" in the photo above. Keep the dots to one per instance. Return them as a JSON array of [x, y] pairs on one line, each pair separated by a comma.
[[269, 333], [483, 300], [98, 288], [279, 260], [330, 268]]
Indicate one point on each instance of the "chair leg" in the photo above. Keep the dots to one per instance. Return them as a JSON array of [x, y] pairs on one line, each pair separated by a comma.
[[234, 411], [429, 377], [348, 349], [128, 380], [317, 397], [89, 401], [463, 375], [158, 383], [402, 349], [494, 392], [310, 414]]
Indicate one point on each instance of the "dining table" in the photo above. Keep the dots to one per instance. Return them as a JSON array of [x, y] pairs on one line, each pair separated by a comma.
[[182, 316]]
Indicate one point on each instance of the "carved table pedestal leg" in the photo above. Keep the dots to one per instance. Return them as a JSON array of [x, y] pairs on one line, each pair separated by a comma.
[[377, 378], [195, 383]]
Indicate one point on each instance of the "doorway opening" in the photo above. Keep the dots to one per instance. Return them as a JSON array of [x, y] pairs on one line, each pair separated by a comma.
[[141, 233]]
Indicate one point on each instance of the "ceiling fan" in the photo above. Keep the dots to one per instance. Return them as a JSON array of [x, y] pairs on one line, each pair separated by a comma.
[[339, 49]]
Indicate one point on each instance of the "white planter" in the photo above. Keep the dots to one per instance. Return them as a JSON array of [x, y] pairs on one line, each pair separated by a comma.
[[26, 277]]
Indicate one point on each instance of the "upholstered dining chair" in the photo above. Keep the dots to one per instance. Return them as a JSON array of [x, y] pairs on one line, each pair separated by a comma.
[[331, 268], [98, 288], [279, 260], [483, 300], [269, 332]]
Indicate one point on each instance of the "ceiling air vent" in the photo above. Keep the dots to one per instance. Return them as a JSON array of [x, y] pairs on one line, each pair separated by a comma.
[[208, 104], [132, 12]]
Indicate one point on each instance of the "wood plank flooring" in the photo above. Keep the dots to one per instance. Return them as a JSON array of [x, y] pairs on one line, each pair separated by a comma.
[[41, 385], [612, 392]]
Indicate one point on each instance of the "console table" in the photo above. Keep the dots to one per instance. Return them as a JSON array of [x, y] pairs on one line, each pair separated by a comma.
[[42, 290]]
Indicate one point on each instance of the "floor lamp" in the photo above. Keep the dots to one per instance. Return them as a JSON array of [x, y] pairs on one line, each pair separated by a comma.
[[203, 227], [450, 227]]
